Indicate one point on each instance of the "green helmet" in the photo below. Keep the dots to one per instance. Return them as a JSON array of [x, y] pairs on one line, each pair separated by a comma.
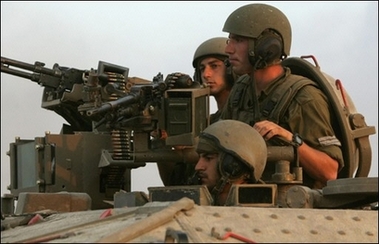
[[212, 47], [238, 141], [253, 19]]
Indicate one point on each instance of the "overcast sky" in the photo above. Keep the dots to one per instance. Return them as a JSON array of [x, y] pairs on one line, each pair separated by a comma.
[[153, 37]]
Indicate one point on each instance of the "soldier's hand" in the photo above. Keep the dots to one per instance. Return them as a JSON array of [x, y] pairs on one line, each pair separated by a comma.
[[178, 80]]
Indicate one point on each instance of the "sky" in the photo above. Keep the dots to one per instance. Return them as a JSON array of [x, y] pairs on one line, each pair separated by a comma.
[[153, 37]]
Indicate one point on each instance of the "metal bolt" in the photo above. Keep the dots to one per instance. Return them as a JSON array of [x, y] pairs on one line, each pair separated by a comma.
[[39, 146], [314, 232], [198, 229], [356, 218], [341, 232], [40, 182], [228, 229], [257, 231], [300, 217], [274, 216], [329, 217], [369, 233]]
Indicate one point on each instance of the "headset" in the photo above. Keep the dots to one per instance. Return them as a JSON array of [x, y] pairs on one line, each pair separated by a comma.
[[267, 48], [231, 167]]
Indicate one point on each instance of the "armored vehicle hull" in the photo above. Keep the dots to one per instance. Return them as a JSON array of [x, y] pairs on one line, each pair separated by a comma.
[[184, 221]]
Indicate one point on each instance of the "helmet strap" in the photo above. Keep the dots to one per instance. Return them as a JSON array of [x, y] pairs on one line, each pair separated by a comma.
[[218, 188]]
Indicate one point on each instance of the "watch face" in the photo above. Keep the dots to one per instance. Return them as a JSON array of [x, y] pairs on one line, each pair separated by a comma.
[[297, 139]]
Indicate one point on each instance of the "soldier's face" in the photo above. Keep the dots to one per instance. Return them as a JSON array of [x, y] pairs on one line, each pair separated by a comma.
[[238, 50], [213, 72], [207, 169]]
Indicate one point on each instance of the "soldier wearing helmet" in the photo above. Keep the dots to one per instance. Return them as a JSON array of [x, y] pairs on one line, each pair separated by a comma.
[[211, 70], [231, 152], [210, 62], [259, 39]]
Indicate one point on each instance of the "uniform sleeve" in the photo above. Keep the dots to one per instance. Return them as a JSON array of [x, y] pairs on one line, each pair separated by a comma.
[[309, 115]]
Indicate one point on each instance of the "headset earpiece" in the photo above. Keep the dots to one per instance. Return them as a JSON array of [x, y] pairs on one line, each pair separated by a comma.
[[268, 48], [230, 166]]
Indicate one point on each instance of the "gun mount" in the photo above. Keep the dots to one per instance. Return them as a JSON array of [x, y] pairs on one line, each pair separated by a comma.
[[111, 119]]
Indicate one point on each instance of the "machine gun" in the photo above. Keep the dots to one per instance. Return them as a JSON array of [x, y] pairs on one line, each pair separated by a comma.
[[111, 119], [62, 88]]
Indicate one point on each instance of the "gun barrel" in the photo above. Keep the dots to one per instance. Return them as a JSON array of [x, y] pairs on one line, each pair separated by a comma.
[[19, 73], [124, 101], [36, 67]]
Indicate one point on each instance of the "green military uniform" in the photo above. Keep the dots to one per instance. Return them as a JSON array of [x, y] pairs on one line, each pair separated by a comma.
[[215, 117], [308, 114]]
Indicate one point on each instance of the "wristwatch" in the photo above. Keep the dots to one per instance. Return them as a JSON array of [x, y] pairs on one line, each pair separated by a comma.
[[297, 141]]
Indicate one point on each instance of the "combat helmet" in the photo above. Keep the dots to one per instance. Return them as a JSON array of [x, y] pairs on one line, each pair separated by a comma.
[[241, 146], [214, 47], [263, 24]]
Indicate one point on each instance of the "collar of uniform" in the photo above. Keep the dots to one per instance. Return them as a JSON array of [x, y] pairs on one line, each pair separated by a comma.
[[275, 83], [244, 79]]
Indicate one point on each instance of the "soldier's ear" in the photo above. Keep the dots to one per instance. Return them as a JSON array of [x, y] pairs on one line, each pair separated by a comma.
[[268, 47], [230, 166]]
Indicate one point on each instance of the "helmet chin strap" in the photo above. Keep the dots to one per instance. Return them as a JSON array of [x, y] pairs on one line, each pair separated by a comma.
[[224, 179], [254, 60], [218, 188]]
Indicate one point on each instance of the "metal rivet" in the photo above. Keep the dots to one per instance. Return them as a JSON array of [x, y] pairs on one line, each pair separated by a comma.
[[274, 216], [300, 217], [329, 217], [341, 232], [257, 231], [356, 218]]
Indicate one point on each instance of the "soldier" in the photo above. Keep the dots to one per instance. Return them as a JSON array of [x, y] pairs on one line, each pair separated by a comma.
[[231, 152], [212, 69], [259, 39], [209, 62]]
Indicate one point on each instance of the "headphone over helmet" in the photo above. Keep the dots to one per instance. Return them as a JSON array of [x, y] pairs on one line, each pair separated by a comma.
[[268, 28]]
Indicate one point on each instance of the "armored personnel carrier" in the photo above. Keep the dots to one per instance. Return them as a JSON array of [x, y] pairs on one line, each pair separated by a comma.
[[75, 186]]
